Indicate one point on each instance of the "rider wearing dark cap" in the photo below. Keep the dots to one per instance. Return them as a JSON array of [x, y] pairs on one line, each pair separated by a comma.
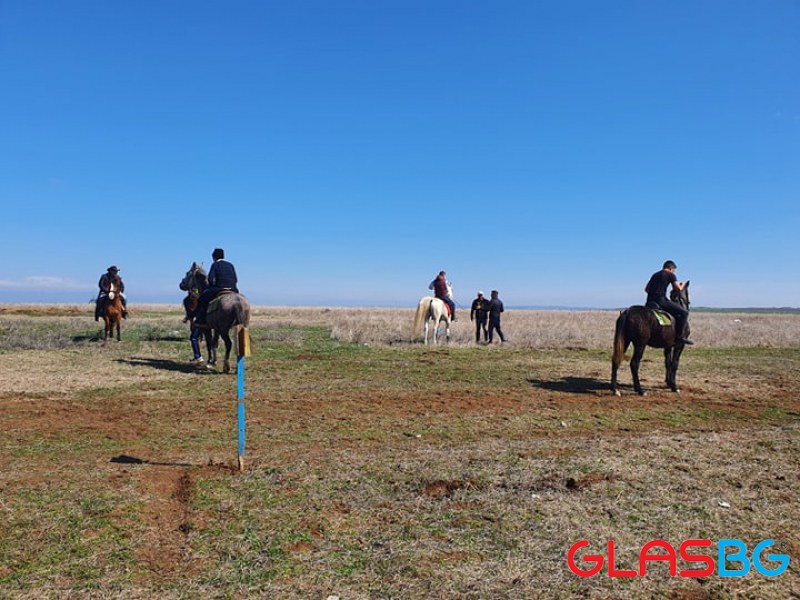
[[221, 277], [656, 290], [111, 276]]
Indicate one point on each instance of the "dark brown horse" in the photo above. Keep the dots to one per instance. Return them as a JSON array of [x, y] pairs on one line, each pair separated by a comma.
[[193, 283], [112, 314], [639, 326]]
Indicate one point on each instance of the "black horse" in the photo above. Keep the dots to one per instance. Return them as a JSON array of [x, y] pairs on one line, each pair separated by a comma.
[[639, 326]]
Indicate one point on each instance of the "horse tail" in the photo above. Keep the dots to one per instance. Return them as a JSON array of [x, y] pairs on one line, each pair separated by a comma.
[[619, 338], [421, 315], [242, 312]]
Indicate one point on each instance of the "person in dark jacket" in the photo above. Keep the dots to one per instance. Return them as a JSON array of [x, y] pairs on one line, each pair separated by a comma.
[[221, 277], [495, 308], [107, 279], [656, 289], [478, 314], [441, 289]]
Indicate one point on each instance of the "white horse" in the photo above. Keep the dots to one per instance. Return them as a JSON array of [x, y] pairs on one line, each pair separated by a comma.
[[433, 309]]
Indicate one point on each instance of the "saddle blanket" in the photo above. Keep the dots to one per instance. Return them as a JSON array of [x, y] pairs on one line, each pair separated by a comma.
[[664, 318]]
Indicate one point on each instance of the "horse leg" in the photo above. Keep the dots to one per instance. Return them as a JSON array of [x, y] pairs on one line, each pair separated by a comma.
[[209, 338], [447, 330], [676, 358], [119, 339], [668, 378], [213, 342], [636, 359], [616, 361], [226, 365]]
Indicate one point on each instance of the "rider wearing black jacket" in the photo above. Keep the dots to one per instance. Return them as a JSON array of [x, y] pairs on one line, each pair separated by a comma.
[[656, 290], [221, 277]]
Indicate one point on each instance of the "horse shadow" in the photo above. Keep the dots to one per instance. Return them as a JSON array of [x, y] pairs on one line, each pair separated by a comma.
[[77, 339], [571, 385], [161, 364]]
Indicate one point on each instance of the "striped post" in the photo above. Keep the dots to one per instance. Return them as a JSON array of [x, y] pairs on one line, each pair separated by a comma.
[[242, 350], [240, 408]]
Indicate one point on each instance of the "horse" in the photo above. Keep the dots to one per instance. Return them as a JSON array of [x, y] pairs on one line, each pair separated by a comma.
[[639, 326], [432, 309], [193, 283], [229, 309], [112, 313]]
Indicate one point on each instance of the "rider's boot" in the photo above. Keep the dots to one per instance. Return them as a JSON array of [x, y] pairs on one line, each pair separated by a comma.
[[683, 338]]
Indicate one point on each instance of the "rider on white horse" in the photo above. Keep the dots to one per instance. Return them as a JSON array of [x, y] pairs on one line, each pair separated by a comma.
[[442, 289]]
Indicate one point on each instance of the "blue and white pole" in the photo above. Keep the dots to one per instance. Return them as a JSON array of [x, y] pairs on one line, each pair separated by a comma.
[[242, 350]]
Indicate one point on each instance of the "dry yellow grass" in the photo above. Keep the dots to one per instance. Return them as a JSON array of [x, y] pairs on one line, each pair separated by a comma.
[[540, 329]]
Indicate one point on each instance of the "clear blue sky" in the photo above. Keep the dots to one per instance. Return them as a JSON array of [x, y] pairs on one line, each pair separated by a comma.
[[344, 152]]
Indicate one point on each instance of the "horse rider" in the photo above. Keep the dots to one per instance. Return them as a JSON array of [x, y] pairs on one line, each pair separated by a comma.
[[111, 276], [441, 289], [656, 290], [479, 313], [495, 308], [221, 277]]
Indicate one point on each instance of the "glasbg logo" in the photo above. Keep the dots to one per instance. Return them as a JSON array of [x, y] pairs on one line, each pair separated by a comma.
[[688, 554]]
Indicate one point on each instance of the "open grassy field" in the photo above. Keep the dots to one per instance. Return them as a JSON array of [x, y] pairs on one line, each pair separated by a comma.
[[380, 468]]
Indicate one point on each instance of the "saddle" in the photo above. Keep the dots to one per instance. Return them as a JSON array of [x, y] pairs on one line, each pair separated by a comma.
[[214, 304], [447, 309], [663, 317]]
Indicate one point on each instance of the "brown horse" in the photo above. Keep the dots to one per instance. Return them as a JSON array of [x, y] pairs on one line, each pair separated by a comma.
[[639, 326], [112, 315]]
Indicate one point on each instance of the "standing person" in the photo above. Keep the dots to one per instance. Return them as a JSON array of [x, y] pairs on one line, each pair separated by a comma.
[[111, 276], [479, 313], [194, 339], [495, 308], [441, 289], [221, 277], [656, 290]]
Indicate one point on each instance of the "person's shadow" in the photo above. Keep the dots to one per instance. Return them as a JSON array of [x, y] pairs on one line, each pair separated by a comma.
[[572, 385], [124, 459]]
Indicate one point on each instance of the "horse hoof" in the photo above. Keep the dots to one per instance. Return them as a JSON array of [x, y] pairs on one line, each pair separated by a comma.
[[617, 393], [643, 393]]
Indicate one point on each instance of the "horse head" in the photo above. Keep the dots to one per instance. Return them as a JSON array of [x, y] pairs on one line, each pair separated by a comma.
[[681, 297], [195, 279]]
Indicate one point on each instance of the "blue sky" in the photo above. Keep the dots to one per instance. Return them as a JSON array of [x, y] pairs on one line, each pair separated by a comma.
[[344, 152]]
